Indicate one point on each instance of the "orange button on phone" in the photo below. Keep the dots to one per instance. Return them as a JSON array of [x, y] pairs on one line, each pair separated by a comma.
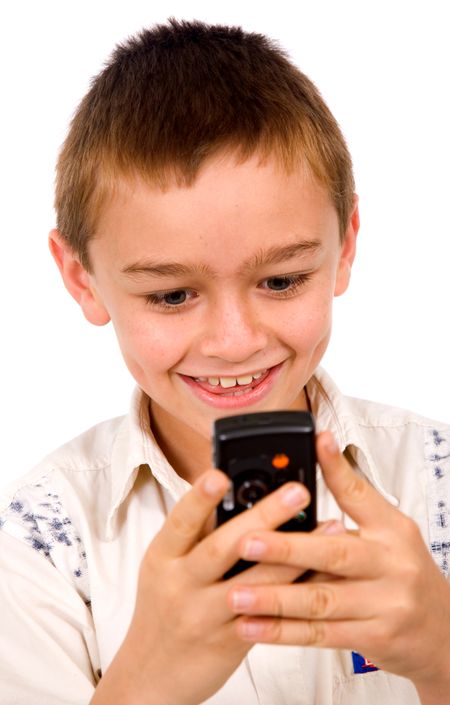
[[280, 461]]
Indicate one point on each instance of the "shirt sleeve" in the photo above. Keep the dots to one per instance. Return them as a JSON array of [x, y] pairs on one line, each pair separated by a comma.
[[48, 651], [48, 648]]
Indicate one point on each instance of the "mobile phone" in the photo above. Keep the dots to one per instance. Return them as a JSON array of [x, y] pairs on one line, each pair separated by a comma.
[[260, 452]]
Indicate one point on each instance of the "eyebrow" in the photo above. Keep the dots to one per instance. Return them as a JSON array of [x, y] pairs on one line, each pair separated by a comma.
[[273, 255]]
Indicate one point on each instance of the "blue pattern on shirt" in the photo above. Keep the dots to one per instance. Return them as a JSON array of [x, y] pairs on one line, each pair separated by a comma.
[[37, 517]]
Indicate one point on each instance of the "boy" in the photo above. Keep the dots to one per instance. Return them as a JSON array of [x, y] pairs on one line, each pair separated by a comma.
[[205, 205]]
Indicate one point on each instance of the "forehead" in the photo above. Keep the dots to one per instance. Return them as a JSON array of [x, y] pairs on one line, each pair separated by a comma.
[[231, 207]]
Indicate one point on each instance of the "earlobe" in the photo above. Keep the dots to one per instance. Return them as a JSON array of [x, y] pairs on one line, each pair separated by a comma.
[[348, 252], [77, 280]]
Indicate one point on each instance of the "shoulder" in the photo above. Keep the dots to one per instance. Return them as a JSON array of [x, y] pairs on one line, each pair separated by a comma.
[[390, 431], [401, 439], [87, 453], [374, 415], [398, 438], [370, 416], [48, 508]]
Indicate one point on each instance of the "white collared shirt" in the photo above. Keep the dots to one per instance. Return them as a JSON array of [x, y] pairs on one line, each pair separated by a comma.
[[74, 530]]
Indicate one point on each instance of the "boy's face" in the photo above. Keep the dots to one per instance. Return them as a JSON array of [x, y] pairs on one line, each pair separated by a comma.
[[231, 278]]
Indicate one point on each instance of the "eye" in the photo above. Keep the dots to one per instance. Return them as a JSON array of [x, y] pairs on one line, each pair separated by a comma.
[[279, 283], [170, 300], [286, 285], [174, 298]]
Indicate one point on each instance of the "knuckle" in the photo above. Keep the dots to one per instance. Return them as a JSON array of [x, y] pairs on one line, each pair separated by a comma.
[[405, 611], [183, 524], [214, 551], [315, 633], [411, 576], [175, 585], [276, 605], [283, 549], [410, 528], [321, 602], [265, 512], [275, 630], [337, 556], [355, 489]]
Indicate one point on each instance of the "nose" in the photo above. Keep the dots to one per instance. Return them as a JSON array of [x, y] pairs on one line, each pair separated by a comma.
[[233, 332]]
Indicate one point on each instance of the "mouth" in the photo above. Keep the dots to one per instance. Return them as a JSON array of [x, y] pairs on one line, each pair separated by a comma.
[[229, 392], [229, 386]]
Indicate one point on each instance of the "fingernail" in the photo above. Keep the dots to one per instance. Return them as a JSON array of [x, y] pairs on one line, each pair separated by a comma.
[[242, 599], [254, 548], [331, 444], [293, 495], [333, 528], [213, 484]]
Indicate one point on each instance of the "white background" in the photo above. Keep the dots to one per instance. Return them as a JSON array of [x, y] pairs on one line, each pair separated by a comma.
[[383, 67]]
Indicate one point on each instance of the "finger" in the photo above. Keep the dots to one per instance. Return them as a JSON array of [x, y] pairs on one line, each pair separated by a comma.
[[353, 493], [211, 558], [319, 577], [332, 600], [344, 555], [346, 634], [277, 574], [185, 523]]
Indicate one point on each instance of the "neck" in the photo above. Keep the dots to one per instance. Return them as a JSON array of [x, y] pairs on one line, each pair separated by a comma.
[[189, 452]]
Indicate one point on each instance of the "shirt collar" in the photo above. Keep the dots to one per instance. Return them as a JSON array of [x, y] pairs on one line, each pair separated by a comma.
[[135, 447], [334, 412]]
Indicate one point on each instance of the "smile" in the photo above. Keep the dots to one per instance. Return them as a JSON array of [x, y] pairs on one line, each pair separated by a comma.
[[228, 382], [233, 392]]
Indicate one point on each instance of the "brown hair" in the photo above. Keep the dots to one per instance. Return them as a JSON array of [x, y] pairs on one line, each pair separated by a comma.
[[176, 94]]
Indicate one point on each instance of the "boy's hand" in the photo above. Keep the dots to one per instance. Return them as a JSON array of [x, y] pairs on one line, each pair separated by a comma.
[[389, 603], [182, 644]]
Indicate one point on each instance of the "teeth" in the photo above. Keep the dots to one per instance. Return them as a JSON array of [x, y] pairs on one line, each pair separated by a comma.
[[244, 379], [229, 382], [239, 393]]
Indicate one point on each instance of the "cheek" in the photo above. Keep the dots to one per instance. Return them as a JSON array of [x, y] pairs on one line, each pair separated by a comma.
[[309, 324], [150, 346]]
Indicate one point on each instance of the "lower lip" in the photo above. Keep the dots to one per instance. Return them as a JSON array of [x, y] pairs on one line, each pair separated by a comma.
[[230, 401]]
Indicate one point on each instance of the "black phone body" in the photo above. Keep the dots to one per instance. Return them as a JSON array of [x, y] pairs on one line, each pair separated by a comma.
[[260, 452]]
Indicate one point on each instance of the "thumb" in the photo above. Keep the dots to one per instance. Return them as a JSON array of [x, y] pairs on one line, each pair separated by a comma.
[[355, 496]]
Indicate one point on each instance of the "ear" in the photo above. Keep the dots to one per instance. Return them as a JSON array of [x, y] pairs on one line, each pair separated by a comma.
[[348, 252], [78, 282]]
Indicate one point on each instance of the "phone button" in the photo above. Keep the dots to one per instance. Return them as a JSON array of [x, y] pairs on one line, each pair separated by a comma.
[[301, 516]]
